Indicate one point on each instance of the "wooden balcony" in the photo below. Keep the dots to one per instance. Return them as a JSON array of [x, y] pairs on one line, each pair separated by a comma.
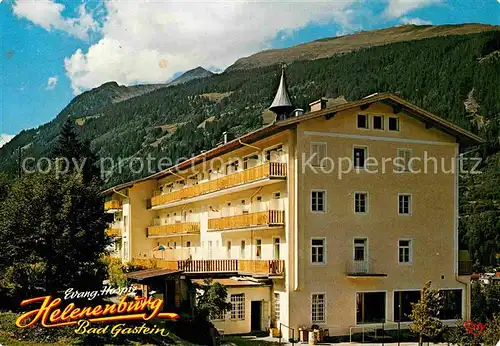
[[260, 267], [363, 268], [271, 267], [203, 266], [268, 218], [464, 267], [174, 228], [112, 205], [269, 170], [114, 232]]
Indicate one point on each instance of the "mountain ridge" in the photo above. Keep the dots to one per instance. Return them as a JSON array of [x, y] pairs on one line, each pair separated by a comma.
[[330, 46], [439, 74]]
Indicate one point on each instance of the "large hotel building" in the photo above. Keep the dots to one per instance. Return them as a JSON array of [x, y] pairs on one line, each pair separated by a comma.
[[297, 241]]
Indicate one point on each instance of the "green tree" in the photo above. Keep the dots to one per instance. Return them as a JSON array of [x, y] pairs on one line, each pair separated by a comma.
[[52, 232], [485, 301], [212, 300], [491, 335], [77, 153], [425, 312]]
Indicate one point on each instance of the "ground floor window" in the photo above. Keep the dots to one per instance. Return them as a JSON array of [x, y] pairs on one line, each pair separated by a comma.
[[452, 305], [402, 304], [238, 306], [370, 307], [318, 308], [276, 308]]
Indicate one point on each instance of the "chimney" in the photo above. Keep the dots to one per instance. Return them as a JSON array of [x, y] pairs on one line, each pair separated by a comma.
[[228, 136], [318, 104], [298, 112]]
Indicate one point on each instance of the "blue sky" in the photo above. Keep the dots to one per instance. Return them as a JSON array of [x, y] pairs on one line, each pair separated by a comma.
[[53, 50]]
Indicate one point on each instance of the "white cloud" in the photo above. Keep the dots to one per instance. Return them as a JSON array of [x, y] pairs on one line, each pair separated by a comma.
[[415, 21], [137, 35], [48, 15], [51, 83], [398, 8], [4, 138]]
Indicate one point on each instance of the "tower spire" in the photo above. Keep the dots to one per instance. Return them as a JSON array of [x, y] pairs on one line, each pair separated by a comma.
[[281, 105]]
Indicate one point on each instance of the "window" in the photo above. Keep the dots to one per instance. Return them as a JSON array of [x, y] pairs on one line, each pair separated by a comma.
[[452, 305], [250, 161], [318, 251], [370, 307], [378, 122], [245, 207], [318, 308], [404, 251], [274, 154], [228, 249], [276, 248], [363, 121], [360, 202], [258, 248], [209, 249], [404, 205], [359, 157], [360, 247], [242, 249], [393, 124], [188, 244], [402, 304], [318, 202], [125, 249], [318, 153], [238, 306], [403, 160], [276, 308]]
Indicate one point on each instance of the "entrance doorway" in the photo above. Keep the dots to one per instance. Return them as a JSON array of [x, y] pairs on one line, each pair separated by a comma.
[[256, 315]]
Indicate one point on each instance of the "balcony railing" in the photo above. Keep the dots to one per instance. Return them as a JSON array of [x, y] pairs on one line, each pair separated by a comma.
[[267, 170], [174, 228], [273, 267], [464, 267], [362, 268], [114, 232], [266, 267], [197, 266], [112, 204], [263, 218]]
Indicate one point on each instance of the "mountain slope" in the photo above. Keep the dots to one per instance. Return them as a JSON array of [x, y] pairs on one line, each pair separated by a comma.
[[195, 73], [445, 75], [328, 47]]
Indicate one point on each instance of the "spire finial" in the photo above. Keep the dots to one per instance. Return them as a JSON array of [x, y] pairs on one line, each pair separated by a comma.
[[282, 105]]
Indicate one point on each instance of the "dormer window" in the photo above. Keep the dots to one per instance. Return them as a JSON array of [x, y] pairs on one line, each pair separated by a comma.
[[378, 122], [393, 124], [363, 121]]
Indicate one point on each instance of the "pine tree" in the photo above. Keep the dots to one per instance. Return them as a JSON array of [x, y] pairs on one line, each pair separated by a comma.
[[76, 152], [425, 312]]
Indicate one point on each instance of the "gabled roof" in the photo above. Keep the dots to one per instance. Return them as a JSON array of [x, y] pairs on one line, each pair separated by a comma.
[[398, 104]]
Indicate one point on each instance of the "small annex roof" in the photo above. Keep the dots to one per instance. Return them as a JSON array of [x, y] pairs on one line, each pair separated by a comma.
[[150, 273], [231, 282], [398, 104]]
